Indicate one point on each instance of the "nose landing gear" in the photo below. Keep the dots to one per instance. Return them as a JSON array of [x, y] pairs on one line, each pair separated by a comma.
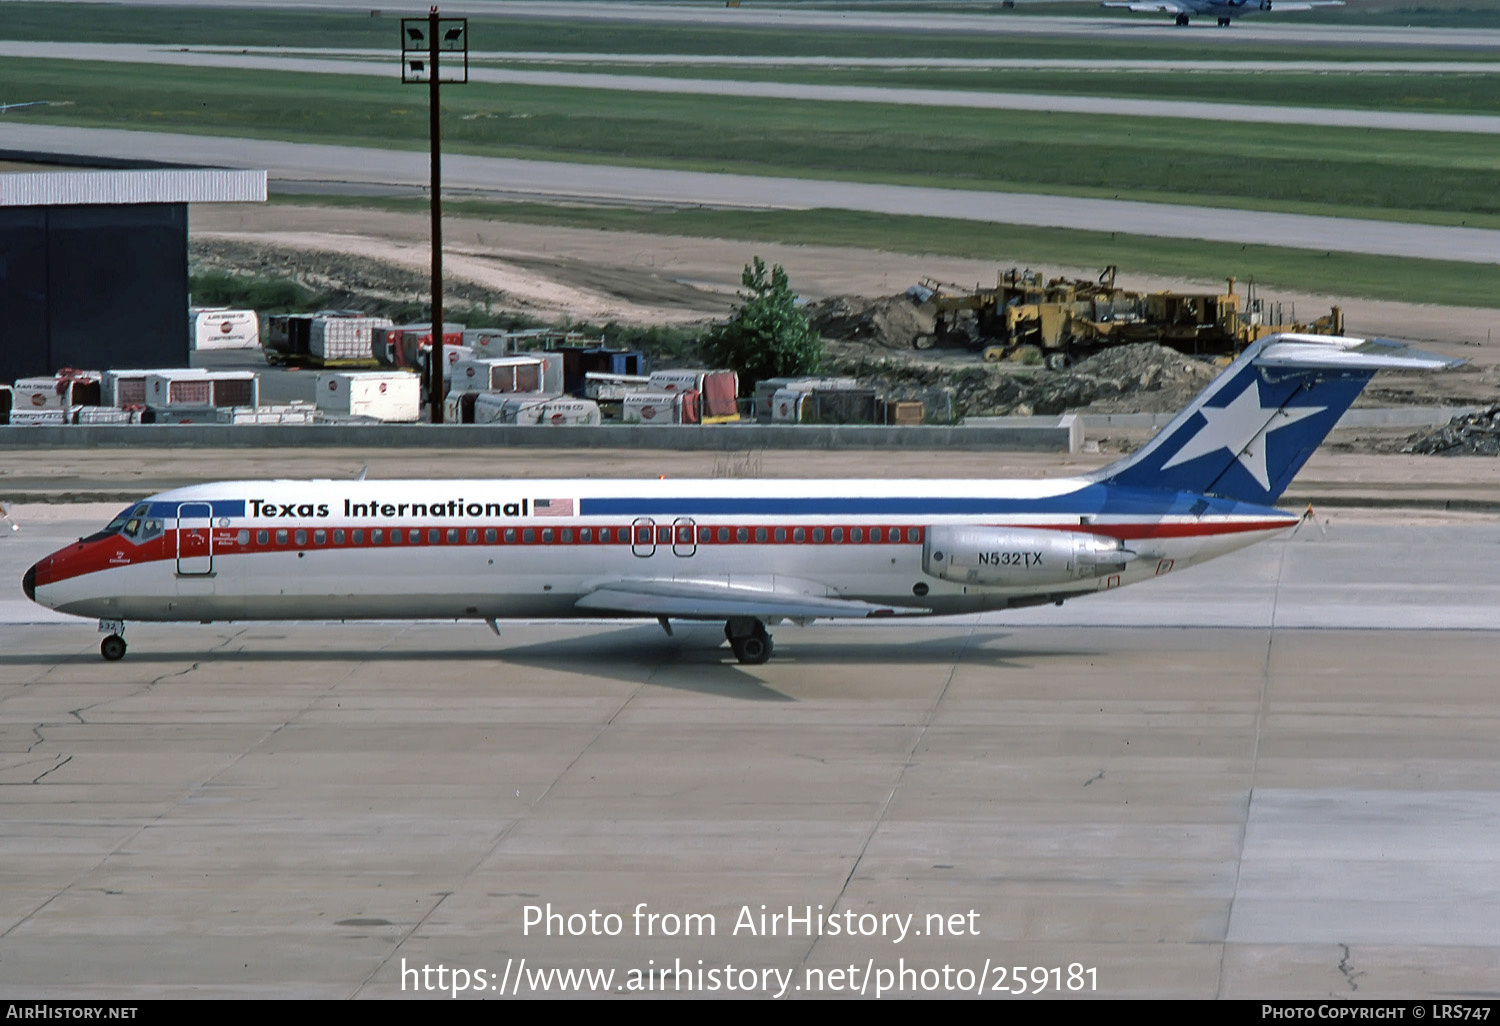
[[112, 648], [749, 640]]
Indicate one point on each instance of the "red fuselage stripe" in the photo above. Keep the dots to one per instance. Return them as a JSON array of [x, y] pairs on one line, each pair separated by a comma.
[[91, 557]]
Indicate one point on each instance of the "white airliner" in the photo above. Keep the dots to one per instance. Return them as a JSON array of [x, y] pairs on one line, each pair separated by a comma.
[[748, 553], [1224, 10]]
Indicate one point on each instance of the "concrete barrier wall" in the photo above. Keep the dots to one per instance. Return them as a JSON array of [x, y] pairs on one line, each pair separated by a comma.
[[1040, 434]]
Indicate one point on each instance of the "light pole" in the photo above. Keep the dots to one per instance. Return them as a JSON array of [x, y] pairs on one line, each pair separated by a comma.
[[423, 41]]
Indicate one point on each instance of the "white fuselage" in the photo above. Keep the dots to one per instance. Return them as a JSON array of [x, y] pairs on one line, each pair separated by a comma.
[[510, 549]]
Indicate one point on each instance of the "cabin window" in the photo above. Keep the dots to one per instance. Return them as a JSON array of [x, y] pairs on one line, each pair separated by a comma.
[[663, 535], [490, 534], [604, 535], [546, 536], [262, 537], [817, 534], [913, 534], [723, 534], [781, 534], [742, 534], [510, 535], [359, 537], [320, 537], [281, 536], [452, 535], [338, 537], [798, 534], [585, 535], [396, 537], [760, 534], [244, 537], [301, 537], [837, 534], [704, 536], [528, 535], [856, 534], [567, 535], [432, 535]]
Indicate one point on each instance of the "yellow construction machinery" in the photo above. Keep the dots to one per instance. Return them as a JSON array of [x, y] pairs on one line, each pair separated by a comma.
[[1063, 320]]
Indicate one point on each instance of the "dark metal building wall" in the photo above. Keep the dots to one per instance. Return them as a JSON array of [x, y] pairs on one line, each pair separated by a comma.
[[92, 287]]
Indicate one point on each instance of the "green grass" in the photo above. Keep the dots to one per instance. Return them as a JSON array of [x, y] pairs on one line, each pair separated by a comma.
[[1336, 274], [1404, 92], [1436, 177]]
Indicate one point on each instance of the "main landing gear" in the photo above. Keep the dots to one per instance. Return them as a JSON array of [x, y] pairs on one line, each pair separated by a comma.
[[749, 640], [112, 648]]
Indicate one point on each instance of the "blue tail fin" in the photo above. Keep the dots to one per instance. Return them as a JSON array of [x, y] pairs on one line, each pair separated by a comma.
[[1248, 433]]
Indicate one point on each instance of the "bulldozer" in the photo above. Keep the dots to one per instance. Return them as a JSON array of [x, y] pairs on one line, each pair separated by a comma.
[[1062, 320]]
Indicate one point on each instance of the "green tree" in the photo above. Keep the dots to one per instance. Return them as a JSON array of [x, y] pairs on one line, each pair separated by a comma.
[[766, 336]]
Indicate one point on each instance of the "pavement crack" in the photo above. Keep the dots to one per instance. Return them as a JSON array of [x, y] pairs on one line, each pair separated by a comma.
[[68, 759], [1347, 968]]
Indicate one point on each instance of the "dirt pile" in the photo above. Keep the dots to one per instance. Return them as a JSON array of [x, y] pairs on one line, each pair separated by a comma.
[[1145, 378], [890, 322], [1476, 434]]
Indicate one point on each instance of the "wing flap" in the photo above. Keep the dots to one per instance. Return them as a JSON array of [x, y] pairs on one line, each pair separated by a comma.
[[711, 600]]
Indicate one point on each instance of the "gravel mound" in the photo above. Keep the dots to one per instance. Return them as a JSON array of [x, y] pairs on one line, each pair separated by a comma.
[[1476, 434], [1144, 377]]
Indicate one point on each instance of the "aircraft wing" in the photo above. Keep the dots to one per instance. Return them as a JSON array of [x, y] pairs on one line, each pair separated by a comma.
[[1166, 6], [714, 599]]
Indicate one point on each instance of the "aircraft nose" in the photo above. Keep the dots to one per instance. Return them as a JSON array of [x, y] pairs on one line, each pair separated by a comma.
[[28, 584]]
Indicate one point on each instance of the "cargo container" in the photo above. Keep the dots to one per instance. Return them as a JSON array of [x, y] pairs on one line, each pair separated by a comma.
[[660, 408], [341, 339], [62, 392], [767, 389], [405, 344], [172, 389], [904, 412], [391, 396], [569, 412], [181, 415], [791, 406], [488, 343], [499, 408], [845, 406], [458, 408], [128, 387], [40, 418], [108, 415], [288, 413], [718, 392], [503, 374], [613, 387], [223, 328]]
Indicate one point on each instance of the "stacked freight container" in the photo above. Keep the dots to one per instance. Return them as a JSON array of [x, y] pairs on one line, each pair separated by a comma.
[[390, 396]]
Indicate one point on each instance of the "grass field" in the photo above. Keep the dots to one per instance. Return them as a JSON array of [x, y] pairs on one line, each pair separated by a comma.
[[1338, 274], [1441, 178], [1400, 92]]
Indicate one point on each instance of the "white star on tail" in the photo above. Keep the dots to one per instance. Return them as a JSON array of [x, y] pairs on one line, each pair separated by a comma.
[[1241, 427]]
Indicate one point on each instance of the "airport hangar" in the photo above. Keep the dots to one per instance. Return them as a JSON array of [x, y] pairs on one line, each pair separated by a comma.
[[93, 263]]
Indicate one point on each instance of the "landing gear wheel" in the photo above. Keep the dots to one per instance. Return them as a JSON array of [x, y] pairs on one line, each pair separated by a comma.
[[1182, 19], [112, 648], [754, 650], [750, 642]]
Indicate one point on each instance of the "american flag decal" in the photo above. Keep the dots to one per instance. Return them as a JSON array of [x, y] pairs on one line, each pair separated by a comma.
[[552, 507]]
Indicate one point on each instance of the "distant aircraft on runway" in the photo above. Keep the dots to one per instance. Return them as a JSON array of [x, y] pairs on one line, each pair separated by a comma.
[[747, 554], [1225, 10]]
